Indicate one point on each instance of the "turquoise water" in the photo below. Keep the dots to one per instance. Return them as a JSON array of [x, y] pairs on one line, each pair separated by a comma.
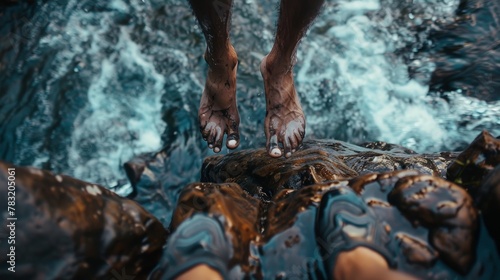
[[87, 85]]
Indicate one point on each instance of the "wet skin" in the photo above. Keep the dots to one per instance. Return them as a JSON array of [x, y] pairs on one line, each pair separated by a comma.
[[218, 113], [284, 123]]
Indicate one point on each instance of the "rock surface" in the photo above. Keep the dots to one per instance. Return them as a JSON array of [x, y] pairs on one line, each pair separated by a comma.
[[490, 204], [474, 163], [316, 162], [269, 207], [70, 229], [477, 169]]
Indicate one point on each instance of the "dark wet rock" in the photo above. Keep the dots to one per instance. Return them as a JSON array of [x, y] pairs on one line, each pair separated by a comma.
[[466, 52], [272, 205], [477, 170], [229, 200], [156, 183], [417, 251], [446, 210], [289, 203], [475, 162], [269, 209], [285, 245], [70, 229], [489, 202], [318, 161], [418, 231]]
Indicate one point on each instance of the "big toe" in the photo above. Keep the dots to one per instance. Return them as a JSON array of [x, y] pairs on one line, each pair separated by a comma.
[[233, 138], [233, 141], [273, 147]]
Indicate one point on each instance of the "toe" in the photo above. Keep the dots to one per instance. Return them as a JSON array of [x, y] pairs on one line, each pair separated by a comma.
[[287, 147], [302, 133], [297, 140], [205, 132], [219, 136], [212, 137], [233, 139], [205, 135], [274, 149], [294, 143]]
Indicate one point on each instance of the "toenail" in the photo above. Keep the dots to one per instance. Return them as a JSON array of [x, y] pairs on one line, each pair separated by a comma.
[[276, 152], [216, 149], [232, 143], [288, 155], [210, 146]]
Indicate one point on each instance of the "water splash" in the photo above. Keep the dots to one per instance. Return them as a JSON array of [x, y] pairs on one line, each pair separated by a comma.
[[103, 81]]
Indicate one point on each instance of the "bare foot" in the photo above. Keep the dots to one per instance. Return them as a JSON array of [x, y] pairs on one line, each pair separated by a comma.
[[218, 113], [285, 122]]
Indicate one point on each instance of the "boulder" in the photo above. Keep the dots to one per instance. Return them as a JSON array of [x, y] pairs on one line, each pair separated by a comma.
[[70, 229], [473, 164]]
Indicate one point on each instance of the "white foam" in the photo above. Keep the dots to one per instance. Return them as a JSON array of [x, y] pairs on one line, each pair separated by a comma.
[[392, 106], [115, 125]]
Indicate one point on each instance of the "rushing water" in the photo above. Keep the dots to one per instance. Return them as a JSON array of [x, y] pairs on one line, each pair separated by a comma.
[[87, 85]]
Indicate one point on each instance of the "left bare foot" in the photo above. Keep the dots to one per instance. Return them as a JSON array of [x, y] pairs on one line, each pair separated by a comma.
[[218, 112], [285, 122]]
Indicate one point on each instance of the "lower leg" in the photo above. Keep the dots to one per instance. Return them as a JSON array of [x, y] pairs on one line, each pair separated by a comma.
[[285, 121], [218, 113], [294, 19]]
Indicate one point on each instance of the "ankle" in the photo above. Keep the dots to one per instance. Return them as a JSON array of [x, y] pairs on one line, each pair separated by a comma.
[[274, 64], [221, 58]]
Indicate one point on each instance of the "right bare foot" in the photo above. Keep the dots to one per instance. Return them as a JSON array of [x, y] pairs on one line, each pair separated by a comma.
[[218, 113], [285, 121]]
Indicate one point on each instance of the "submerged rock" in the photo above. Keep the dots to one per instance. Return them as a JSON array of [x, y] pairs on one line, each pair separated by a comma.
[[69, 229]]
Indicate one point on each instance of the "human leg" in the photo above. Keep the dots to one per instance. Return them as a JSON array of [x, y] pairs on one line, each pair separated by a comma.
[[285, 121], [218, 112]]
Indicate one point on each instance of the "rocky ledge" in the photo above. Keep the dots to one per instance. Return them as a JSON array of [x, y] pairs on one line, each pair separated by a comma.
[[438, 209]]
